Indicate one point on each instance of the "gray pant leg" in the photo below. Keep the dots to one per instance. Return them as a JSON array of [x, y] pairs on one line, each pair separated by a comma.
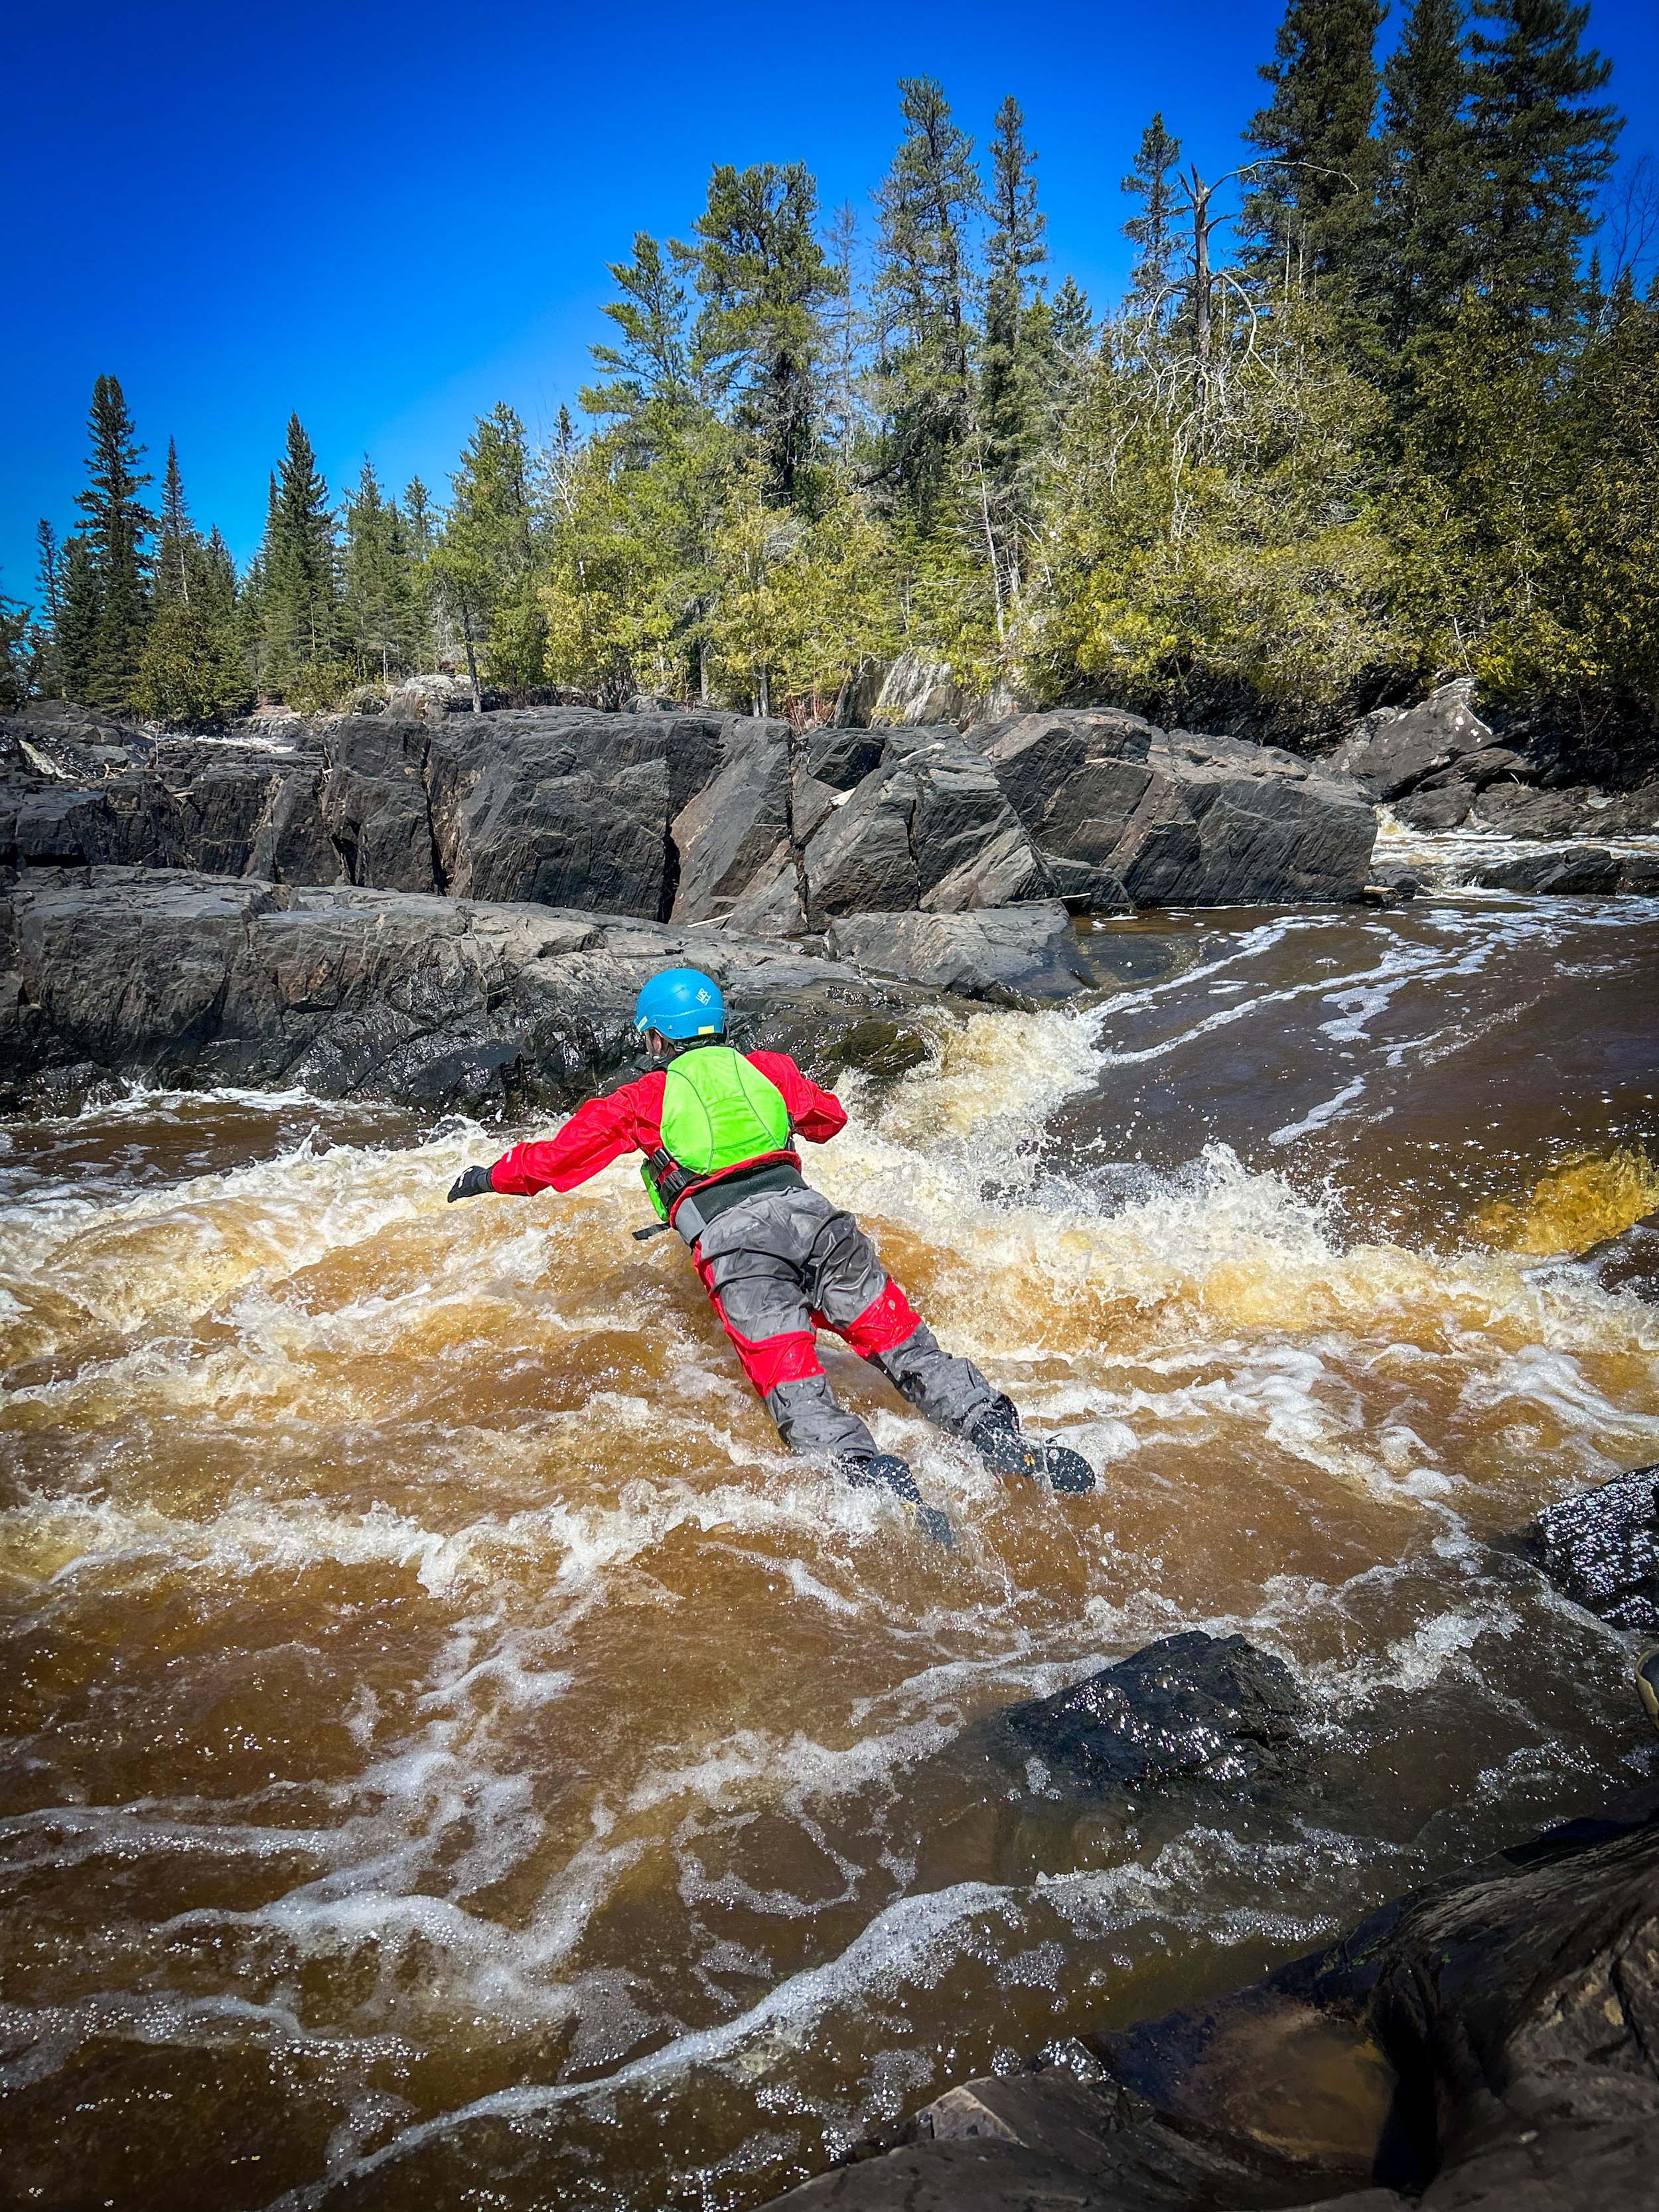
[[760, 1260], [844, 1280], [951, 1392], [811, 1422]]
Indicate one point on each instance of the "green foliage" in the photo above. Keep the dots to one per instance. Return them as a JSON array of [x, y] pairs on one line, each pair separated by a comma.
[[1431, 182], [1152, 232], [764, 277], [1400, 435], [1545, 152], [191, 670], [16, 664], [485, 565], [1314, 207], [381, 617], [1206, 565], [299, 609], [928, 200], [117, 524]]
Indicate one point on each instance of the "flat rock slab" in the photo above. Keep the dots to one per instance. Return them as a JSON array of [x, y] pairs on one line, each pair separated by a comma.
[[1583, 871], [1602, 1548], [1028, 952], [190, 980], [1189, 1705]]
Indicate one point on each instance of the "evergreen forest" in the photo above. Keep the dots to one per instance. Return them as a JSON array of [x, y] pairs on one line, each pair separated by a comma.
[[1379, 407]]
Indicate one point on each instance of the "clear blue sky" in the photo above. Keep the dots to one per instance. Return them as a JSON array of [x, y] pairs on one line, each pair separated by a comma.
[[390, 217]]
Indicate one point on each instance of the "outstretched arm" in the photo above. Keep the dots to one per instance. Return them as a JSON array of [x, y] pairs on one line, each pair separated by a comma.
[[628, 1120]]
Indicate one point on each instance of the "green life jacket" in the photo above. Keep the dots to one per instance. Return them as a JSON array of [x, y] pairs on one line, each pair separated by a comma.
[[718, 1111]]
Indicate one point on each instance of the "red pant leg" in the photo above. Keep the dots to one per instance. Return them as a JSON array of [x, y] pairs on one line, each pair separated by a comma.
[[772, 1359], [889, 1319]]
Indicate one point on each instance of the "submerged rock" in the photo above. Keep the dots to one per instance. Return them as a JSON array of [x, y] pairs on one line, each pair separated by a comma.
[[1602, 1548], [1628, 1261], [1192, 1704], [1491, 2042]]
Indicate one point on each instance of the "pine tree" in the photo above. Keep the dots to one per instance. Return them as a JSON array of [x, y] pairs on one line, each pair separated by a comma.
[[928, 200], [1153, 231], [116, 526], [420, 530], [301, 612], [1545, 153], [1313, 211], [175, 537], [651, 385], [377, 601], [192, 669], [485, 561], [763, 274], [48, 668], [16, 661], [847, 324], [78, 627], [251, 599], [1010, 386], [1430, 177]]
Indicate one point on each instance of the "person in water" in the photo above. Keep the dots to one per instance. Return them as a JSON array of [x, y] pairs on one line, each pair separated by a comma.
[[718, 1130]]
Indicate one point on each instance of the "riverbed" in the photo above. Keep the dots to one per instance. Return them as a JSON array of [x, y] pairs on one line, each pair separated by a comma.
[[453, 1757]]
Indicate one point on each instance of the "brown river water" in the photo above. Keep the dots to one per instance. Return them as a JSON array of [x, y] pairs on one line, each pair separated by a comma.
[[450, 1756]]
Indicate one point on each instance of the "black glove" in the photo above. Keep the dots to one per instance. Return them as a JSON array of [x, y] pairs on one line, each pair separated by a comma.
[[471, 1182]]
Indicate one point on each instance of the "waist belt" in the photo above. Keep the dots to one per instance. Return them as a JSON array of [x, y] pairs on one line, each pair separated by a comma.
[[696, 1211]]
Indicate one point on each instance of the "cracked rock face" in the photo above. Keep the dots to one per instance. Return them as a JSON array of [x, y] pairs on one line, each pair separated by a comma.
[[690, 816], [191, 981]]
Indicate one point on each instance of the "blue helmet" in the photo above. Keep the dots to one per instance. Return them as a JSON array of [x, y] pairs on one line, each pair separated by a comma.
[[682, 1002]]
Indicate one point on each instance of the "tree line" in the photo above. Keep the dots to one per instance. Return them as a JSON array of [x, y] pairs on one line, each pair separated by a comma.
[[1380, 405]]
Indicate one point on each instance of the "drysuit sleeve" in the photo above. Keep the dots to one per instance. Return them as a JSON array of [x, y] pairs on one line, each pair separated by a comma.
[[817, 1114], [626, 1120]]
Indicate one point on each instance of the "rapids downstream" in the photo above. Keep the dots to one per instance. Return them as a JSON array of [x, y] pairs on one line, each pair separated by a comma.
[[453, 1757]]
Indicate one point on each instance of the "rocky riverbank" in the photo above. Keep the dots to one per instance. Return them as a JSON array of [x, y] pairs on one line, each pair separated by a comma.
[[1488, 2041], [671, 816]]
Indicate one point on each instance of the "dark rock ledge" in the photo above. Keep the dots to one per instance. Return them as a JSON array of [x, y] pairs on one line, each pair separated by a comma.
[[116, 975], [1491, 2041]]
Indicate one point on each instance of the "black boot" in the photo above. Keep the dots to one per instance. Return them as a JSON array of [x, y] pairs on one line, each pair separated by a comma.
[[886, 1471], [996, 1436]]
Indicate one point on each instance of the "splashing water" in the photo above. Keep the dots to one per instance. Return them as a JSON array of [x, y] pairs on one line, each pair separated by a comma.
[[450, 1747]]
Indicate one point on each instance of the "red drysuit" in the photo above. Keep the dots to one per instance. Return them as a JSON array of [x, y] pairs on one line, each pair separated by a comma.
[[629, 1120]]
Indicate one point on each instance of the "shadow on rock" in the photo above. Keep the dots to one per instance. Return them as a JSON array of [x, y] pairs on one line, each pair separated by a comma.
[[1487, 2042]]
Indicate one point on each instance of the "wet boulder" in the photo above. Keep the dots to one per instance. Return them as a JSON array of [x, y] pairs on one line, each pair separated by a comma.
[[1394, 750], [1446, 806], [1628, 1261], [1190, 1705], [1602, 1548], [927, 827], [1485, 2044], [1028, 952], [1519, 812], [1582, 870]]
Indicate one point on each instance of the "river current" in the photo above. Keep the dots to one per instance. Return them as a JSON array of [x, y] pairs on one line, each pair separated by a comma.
[[453, 1757]]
